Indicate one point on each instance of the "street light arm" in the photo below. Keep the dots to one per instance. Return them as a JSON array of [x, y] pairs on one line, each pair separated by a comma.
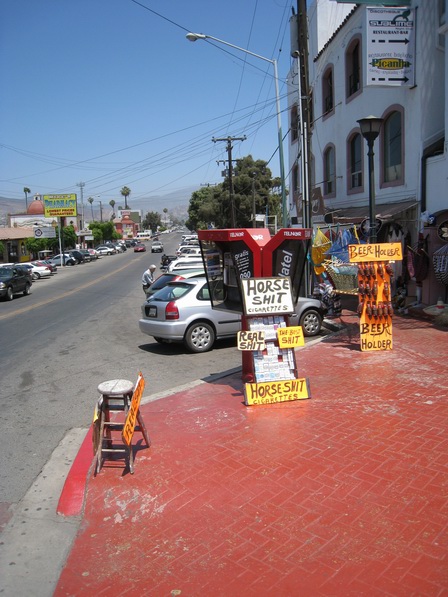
[[196, 36]]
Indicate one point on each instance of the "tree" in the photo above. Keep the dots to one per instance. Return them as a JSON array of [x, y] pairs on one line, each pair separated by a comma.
[[91, 200], [112, 204], [151, 221], [125, 191], [26, 190], [253, 185], [204, 209]]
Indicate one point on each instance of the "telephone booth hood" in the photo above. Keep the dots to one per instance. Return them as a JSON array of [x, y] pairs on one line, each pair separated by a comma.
[[231, 255]]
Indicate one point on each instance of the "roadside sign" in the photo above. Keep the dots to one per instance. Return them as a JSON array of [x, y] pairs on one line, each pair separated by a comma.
[[45, 232], [390, 46], [60, 205]]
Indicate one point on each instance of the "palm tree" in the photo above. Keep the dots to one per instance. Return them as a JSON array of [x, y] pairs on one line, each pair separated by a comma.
[[112, 204], [125, 191], [26, 190], [91, 200]]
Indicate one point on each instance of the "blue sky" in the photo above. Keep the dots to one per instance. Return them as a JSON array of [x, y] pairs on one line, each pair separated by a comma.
[[110, 93]]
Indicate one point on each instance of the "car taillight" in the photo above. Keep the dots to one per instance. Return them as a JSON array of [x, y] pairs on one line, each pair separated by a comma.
[[171, 311]]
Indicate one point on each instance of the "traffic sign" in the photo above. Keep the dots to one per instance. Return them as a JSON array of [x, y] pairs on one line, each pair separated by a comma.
[[390, 46], [45, 232]]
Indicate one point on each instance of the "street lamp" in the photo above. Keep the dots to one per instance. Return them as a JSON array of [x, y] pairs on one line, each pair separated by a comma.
[[370, 129], [195, 37]]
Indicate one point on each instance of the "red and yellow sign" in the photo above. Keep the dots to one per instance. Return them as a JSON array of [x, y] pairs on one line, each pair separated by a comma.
[[129, 426], [375, 252], [290, 336], [272, 392]]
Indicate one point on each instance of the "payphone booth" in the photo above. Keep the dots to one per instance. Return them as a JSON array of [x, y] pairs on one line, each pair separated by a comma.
[[232, 255]]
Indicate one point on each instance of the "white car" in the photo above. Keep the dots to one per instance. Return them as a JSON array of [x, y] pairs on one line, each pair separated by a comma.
[[37, 271], [63, 259], [105, 250], [193, 263]]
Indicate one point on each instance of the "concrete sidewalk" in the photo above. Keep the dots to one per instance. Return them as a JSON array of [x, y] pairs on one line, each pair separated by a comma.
[[342, 494]]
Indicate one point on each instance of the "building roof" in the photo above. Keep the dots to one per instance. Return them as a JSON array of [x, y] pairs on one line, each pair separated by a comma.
[[35, 208], [16, 233]]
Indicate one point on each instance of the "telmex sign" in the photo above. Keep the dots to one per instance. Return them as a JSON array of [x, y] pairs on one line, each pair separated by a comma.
[[60, 205]]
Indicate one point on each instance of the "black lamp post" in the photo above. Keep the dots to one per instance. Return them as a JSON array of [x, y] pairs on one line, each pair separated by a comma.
[[370, 129]]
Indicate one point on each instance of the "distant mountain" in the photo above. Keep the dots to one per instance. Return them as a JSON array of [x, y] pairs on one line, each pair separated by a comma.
[[176, 203]]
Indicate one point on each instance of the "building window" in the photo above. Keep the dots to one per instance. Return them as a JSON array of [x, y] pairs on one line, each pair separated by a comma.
[[393, 149], [329, 172], [353, 68], [355, 161], [294, 126], [327, 92]]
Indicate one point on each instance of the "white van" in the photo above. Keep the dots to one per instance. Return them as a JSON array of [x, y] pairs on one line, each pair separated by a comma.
[[145, 235]]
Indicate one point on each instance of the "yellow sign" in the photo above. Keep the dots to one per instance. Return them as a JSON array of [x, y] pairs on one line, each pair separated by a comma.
[[251, 340], [375, 252], [272, 392], [290, 337], [60, 206], [129, 426]]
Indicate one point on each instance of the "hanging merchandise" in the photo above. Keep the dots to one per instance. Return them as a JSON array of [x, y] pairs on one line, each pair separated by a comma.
[[321, 244], [339, 248], [440, 263]]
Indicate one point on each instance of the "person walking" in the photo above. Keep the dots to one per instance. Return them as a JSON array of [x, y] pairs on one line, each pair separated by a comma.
[[148, 277]]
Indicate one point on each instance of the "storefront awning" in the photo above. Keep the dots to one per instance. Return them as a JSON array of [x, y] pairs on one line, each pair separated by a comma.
[[355, 215]]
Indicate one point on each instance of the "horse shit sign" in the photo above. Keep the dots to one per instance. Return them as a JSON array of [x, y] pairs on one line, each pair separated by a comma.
[[267, 304], [374, 292]]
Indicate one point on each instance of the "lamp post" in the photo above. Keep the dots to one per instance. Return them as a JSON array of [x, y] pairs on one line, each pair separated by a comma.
[[195, 37], [370, 129]]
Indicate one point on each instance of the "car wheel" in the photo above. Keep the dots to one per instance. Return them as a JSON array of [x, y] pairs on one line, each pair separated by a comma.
[[36, 276], [200, 337], [27, 289], [9, 294], [311, 322]]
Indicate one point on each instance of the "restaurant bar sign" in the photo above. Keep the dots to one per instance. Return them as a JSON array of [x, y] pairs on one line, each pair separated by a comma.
[[60, 206]]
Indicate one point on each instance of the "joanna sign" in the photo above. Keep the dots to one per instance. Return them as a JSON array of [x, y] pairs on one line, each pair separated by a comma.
[[267, 296], [60, 206]]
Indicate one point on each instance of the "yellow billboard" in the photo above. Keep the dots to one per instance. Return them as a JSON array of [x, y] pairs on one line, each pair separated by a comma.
[[60, 206]]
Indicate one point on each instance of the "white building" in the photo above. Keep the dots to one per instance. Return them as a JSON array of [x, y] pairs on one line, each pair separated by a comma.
[[356, 69]]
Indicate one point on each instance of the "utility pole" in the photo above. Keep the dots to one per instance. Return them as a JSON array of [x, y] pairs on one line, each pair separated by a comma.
[[81, 186], [304, 109], [229, 158]]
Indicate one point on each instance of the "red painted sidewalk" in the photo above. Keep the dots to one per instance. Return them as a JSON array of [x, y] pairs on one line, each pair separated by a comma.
[[345, 494]]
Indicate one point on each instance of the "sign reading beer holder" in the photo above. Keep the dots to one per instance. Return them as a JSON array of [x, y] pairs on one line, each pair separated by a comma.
[[267, 302], [374, 292]]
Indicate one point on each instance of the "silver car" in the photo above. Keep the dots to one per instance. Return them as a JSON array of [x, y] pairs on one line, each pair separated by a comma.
[[182, 312]]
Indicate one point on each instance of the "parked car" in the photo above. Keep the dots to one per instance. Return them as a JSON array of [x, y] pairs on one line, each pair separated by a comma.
[[156, 247], [309, 313], [182, 312], [63, 259], [105, 250], [179, 264], [78, 255], [165, 278], [93, 254], [86, 254], [139, 248], [36, 271], [45, 263], [14, 280], [188, 250]]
